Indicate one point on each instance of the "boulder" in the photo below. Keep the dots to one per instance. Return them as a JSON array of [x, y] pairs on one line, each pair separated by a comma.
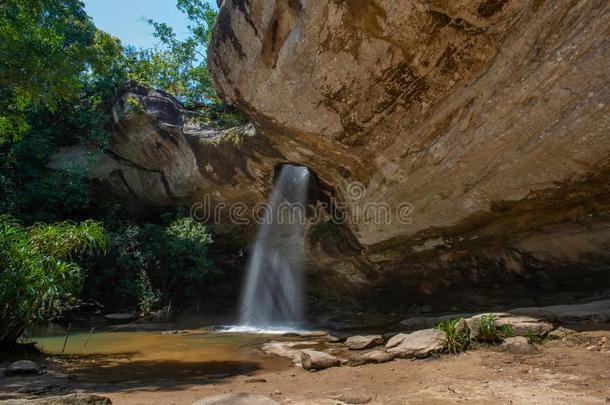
[[289, 350], [236, 399], [376, 356], [418, 344], [561, 333], [22, 367], [520, 325], [315, 360], [363, 342], [518, 345]]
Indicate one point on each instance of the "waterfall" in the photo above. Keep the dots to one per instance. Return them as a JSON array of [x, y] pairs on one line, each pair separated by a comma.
[[273, 293]]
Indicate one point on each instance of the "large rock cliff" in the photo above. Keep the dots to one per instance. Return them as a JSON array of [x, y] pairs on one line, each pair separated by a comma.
[[480, 128]]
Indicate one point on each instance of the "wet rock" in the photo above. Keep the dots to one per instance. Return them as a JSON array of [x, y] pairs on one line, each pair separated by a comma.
[[520, 325], [237, 399], [418, 344], [122, 317], [22, 367], [289, 350], [363, 342], [518, 345], [376, 356], [335, 339], [314, 360]]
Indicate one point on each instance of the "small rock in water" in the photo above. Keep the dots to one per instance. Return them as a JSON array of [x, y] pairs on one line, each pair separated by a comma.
[[314, 360], [121, 317], [237, 399], [518, 345], [22, 367], [335, 339], [363, 342]]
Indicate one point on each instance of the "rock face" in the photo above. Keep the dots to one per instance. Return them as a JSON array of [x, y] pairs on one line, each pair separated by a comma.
[[487, 118], [466, 143]]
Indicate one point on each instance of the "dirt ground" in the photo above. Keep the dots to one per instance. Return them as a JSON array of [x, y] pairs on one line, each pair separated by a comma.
[[573, 371]]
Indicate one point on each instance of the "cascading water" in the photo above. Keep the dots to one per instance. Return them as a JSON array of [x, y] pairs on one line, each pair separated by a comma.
[[273, 294]]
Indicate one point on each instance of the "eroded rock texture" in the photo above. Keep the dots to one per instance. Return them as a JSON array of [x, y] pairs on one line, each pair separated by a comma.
[[486, 121], [490, 117]]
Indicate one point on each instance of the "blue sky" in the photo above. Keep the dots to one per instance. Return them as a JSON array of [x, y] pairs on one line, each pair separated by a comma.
[[126, 19]]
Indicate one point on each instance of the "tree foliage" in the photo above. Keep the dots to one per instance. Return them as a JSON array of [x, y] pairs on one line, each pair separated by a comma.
[[45, 46], [39, 271]]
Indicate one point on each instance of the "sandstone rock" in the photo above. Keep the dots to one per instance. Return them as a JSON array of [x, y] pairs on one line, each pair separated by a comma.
[[72, 399], [422, 125], [314, 360], [236, 399], [353, 396], [518, 345], [22, 367], [363, 342], [597, 311], [335, 339], [376, 356], [417, 344], [520, 325], [289, 350], [396, 340], [490, 148], [561, 333]]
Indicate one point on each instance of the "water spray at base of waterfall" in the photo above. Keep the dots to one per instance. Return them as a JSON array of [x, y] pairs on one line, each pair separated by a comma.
[[272, 298]]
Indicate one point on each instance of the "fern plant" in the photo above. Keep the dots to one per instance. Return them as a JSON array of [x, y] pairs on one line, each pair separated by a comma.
[[38, 270]]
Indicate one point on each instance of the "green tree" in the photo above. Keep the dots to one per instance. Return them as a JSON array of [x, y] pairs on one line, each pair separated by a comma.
[[45, 46], [38, 272], [180, 66]]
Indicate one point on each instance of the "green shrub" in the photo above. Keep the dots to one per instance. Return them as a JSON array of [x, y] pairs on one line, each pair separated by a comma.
[[38, 270], [458, 335], [490, 331], [147, 296], [174, 257]]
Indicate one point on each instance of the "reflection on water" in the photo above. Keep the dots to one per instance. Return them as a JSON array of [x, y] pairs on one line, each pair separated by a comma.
[[153, 356]]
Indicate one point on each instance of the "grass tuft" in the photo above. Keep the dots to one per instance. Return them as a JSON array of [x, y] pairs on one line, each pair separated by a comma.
[[458, 335]]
